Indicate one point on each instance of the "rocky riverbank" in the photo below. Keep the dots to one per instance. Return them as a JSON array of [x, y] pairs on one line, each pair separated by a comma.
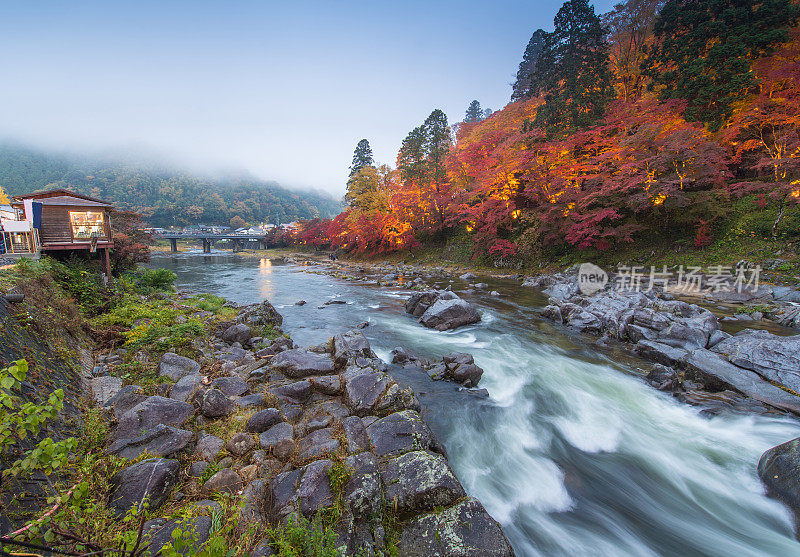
[[321, 436]]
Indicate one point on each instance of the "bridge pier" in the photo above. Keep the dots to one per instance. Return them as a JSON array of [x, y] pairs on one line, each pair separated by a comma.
[[206, 245], [173, 244], [237, 245]]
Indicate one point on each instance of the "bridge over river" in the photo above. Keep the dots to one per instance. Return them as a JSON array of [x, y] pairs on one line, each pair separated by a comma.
[[240, 241]]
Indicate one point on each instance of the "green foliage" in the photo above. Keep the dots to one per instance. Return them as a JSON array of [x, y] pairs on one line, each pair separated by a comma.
[[19, 420], [362, 158], [705, 48], [523, 87], [154, 279], [572, 70], [303, 538]]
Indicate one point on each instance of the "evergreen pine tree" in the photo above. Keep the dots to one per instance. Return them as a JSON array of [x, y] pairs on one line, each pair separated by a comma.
[[522, 87], [572, 70], [704, 50], [362, 156], [437, 144], [474, 112]]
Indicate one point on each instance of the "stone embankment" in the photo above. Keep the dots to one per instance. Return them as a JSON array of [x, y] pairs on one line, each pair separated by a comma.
[[275, 423]]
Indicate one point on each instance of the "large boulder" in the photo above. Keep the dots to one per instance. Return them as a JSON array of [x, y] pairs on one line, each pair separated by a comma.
[[262, 420], [363, 490], [125, 399], [419, 302], [299, 363], [419, 481], [162, 440], [224, 481], [237, 333], [173, 366], [216, 405], [186, 387], [363, 388], [149, 480], [151, 412], [231, 386], [208, 447], [264, 315], [449, 314], [463, 530], [278, 440], [299, 391], [349, 346], [399, 433], [779, 470], [773, 357], [318, 443]]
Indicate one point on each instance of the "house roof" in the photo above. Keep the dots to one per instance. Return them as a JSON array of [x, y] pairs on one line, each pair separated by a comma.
[[62, 200], [59, 192]]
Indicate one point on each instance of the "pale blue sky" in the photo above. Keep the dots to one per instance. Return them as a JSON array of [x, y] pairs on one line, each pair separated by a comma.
[[284, 90]]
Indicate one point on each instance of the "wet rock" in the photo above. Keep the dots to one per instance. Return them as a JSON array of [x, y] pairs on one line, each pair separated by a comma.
[[327, 385], [300, 303], [419, 481], [467, 276], [419, 302], [162, 441], [280, 344], [449, 314], [663, 378], [464, 530], [355, 434], [216, 405], [363, 388], [151, 479], [281, 495], [174, 366], [240, 444], [240, 333], [151, 412], [254, 511], [314, 489], [779, 470], [317, 443], [105, 388], [186, 387], [197, 468], [349, 346], [231, 386], [262, 420], [299, 364], [312, 422], [363, 491], [298, 391], [773, 357], [263, 315], [399, 433], [208, 447], [278, 440], [250, 401], [224, 481]]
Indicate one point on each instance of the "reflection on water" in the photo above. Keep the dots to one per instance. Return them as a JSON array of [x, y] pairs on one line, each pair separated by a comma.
[[573, 453]]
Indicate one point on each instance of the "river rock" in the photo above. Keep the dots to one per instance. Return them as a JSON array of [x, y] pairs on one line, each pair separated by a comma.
[[449, 314], [240, 444], [363, 388], [349, 346], [186, 387], [299, 363], [355, 434], [253, 510], [224, 481], [419, 481], [362, 493], [327, 384], [399, 433], [773, 357], [262, 420], [208, 447], [779, 470], [150, 479], [125, 399], [299, 391], [464, 530], [174, 366], [279, 440], [231, 386], [317, 443], [240, 333], [263, 315], [663, 378], [151, 412], [216, 405], [314, 489], [162, 440], [419, 302]]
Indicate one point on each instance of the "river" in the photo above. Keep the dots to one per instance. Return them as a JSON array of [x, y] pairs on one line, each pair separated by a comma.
[[573, 453]]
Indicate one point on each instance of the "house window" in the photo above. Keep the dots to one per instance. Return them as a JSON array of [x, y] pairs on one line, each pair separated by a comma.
[[86, 225]]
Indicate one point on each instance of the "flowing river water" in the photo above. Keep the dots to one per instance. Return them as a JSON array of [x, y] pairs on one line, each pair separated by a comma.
[[573, 453]]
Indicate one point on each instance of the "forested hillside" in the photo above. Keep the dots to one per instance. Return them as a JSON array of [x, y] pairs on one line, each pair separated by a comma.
[[164, 196], [660, 121]]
